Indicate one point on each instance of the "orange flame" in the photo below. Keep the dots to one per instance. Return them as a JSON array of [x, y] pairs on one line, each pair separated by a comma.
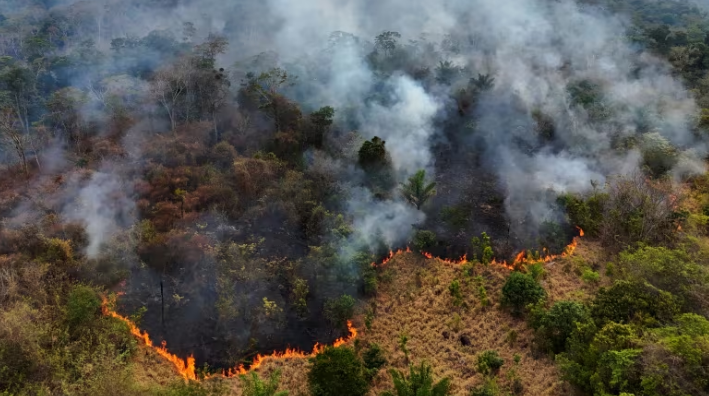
[[522, 258], [186, 367]]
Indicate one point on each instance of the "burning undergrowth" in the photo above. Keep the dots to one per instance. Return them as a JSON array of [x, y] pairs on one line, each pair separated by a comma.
[[243, 199]]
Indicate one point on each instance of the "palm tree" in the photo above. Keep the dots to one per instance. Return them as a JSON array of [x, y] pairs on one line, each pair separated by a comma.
[[416, 191], [419, 383], [254, 386]]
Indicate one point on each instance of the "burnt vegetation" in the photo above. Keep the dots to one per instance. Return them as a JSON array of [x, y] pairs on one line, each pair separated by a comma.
[[232, 205]]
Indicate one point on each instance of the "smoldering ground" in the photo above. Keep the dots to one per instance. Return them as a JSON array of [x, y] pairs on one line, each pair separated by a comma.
[[506, 106]]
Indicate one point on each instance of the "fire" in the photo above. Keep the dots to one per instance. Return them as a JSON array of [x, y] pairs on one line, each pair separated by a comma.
[[522, 258], [187, 368]]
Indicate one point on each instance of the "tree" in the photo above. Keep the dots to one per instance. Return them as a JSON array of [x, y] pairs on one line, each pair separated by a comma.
[[416, 191], [521, 290], [339, 310], [373, 360], [264, 89], [321, 121], [419, 383], [424, 240], [337, 371], [372, 153], [252, 385], [14, 136], [386, 42], [555, 326], [489, 362]]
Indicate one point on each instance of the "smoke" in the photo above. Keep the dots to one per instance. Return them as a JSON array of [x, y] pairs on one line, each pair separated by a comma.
[[104, 206]]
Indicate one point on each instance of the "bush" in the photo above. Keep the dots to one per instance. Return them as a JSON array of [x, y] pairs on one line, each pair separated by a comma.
[[223, 155], [252, 385], [521, 290], [555, 326], [585, 213], [590, 276], [82, 306], [337, 371], [671, 270], [489, 388], [339, 310], [419, 383], [373, 360], [627, 301], [424, 240], [15, 366], [457, 296], [489, 362]]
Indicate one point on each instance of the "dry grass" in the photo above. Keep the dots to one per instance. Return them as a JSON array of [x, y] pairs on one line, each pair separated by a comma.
[[417, 302]]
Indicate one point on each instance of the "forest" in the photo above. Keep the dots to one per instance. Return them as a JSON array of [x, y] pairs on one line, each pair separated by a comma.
[[353, 198]]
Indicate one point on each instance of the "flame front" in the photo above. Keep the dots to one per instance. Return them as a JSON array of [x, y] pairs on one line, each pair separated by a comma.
[[186, 367]]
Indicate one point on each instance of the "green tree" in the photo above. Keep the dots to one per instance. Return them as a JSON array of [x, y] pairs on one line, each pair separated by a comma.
[[555, 326], [337, 371], [82, 306], [419, 383], [339, 310], [424, 240], [373, 153], [489, 362], [416, 191], [252, 385], [521, 290], [373, 360]]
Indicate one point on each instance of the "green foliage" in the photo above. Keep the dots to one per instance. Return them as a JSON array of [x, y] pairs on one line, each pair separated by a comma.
[[420, 382], [337, 371], [339, 310], [586, 213], [627, 301], [521, 290], [252, 385], [659, 156], [536, 271], [300, 294], [417, 191], [488, 388], [482, 248], [16, 366], [83, 305], [590, 276], [455, 216], [454, 289], [424, 240], [482, 295], [555, 326], [403, 340], [372, 153], [489, 362], [373, 360], [671, 270]]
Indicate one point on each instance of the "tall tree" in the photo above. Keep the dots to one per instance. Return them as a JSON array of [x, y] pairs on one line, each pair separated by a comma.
[[417, 191]]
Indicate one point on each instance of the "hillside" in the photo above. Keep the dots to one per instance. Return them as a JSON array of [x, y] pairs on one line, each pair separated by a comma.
[[400, 198]]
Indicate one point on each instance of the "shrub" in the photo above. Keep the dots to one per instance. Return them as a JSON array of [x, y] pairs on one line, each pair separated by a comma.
[[82, 306], [252, 385], [424, 240], [672, 270], [482, 248], [337, 371], [536, 271], [556, 325], [585, 213], [15, 366], [373, 360], [626, 301], [457, 296], [489, 362], [489, 388], [419, 383], [590, 276], [521, 290], [339, 310], [482, 295]]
